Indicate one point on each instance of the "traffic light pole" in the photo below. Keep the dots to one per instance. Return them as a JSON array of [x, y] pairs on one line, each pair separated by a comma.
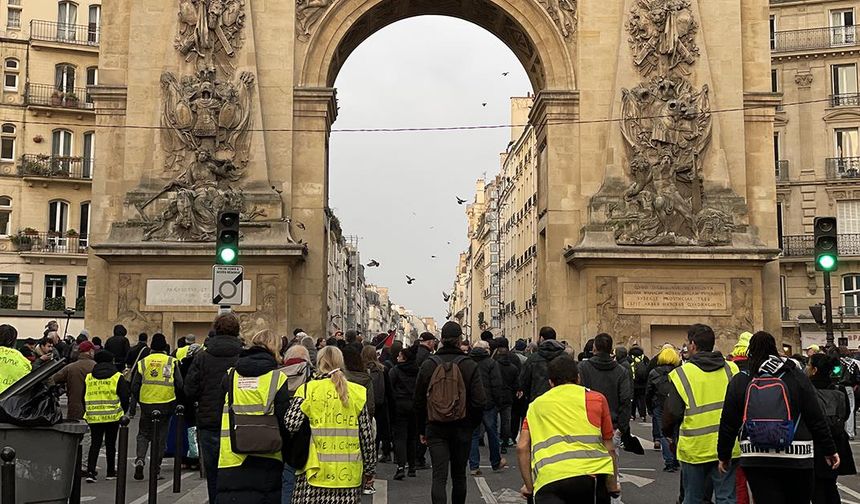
[[828, 310]]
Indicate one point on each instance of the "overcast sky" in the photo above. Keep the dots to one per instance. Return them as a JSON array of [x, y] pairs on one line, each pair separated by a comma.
[[396, 191]]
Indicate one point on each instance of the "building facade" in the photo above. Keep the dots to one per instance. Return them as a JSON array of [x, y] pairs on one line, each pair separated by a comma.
[[50, 57], [816, 154]]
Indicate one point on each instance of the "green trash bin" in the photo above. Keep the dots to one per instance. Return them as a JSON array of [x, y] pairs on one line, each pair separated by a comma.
[[45, 460]]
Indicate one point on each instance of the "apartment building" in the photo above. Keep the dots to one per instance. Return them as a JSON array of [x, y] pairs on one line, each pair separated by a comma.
[[814, 52], [50, 54]]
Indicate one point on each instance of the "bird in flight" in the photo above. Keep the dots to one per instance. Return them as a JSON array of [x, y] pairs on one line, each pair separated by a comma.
[[446, 297], [460, 200], [505, 74], [432, 257], [373, 263], [484, 104], [409, 280]]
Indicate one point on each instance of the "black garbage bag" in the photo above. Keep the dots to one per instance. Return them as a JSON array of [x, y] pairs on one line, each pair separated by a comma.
[[38, 406]]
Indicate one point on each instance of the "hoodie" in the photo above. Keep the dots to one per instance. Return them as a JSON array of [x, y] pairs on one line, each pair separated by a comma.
[[491, 377], [673, 408], [203, 380], [403, 377], [509, 366], [603, 374], [105, 370], [534, 380]]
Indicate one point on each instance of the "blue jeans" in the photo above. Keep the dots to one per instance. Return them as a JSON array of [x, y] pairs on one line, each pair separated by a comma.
[[210, 446], [668, 456], [695, 477], [289, 482], [491, 425]]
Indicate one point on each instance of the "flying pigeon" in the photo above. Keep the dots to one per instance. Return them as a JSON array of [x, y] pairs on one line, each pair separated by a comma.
[[409, 280], [505, 74], [484, 104], [460, 200], [446, 297], [373, 263]]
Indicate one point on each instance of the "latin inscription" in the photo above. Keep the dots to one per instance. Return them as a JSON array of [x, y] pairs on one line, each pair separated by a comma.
[[674, 296], [185, 293]]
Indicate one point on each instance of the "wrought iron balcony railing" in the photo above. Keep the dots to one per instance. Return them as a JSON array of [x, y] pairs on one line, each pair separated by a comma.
[[69, 242], [782, 170], [59, 167], [803, 246], [65, 33], [845, 100], [47, 95], [813, 38], [842, 167]]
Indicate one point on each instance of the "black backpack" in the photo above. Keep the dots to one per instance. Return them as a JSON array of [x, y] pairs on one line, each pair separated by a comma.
[[640, 369], [832, 404]]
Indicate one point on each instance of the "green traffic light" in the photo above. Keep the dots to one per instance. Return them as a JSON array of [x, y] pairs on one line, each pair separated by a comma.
[[227, 255], [827, 262]]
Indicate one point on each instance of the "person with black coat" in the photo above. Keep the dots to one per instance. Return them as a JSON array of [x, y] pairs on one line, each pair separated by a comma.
[[259, 479], [657, 390], [509, 366], [534, 379], [403, 377], [491, 377], [425, 348], [119, 346], [834, 399], [776, 476], [203, 387], [138, 351]]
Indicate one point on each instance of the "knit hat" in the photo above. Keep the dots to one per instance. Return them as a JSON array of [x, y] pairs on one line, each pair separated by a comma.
[[743, 344], [104, 356], [159, 343], [521, 345], [86, 346]]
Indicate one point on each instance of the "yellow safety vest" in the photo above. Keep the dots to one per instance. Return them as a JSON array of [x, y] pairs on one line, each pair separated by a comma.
[[564, 443], [251, 396], [182, 353], [13, 366], [158, 371], [703, 394], [101, 400], [334, 458]]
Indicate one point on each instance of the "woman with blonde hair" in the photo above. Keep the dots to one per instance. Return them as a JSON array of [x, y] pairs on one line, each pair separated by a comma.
[[656, 392], [342, 455]]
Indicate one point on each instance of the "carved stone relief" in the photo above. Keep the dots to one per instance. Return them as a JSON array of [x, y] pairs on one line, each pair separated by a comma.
[[727, 329], [563, 13], [308, 13], [128, 307], [624, 329], [266, 315], [803, 80], [210, 31], [666, 126]]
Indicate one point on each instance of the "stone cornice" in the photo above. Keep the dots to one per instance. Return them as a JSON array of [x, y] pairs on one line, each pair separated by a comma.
[[320, 103], [761, 106], [807, 54], [559, 107], [113, 97]]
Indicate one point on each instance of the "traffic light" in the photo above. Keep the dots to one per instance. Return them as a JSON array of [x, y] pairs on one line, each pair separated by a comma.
[[817, 311], [826, 245], [227, 240]]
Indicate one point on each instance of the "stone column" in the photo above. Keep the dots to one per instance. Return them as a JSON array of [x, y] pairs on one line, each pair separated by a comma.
[[315, 109]]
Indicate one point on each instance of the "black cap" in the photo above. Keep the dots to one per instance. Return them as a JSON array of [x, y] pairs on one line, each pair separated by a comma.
[[451, 330], [427, 336]]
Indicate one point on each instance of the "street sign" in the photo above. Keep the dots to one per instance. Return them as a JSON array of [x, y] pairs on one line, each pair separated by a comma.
[[227, 285]]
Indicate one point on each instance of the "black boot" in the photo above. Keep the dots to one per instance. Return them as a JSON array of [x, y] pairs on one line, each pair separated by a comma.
[[400, 474]]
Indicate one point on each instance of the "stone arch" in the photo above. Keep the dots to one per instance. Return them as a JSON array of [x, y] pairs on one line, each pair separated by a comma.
[[524, 26]]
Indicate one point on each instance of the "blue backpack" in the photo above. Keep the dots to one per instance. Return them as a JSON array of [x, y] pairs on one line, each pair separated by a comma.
[[768, 422]]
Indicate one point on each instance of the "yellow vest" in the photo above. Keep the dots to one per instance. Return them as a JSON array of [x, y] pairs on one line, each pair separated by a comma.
[[13, 366], [564, 443], [334, 459], [703, 394], [102, 401], [158, 371], [182, 353], [251, 396]]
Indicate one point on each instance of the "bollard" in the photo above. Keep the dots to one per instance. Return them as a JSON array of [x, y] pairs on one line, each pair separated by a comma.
[[154, 447], [122, 462], [7, 475], [75, 497], [179, 452]]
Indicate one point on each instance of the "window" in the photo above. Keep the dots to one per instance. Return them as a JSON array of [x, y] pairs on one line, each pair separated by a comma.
[[842, 27], [84, 229], [783, 296], [5, 215], [844, 85], [848, 216], [58, 217], [779, 223], [67, 17], [7, 142], [89, 152], [846, 142], [64, 78], [774, 81], [82, 287], [851, 294], [61, 143], [10, 75], [55, 287], [13, 18], [94, 22], [772, 33], [8, 284], [92, 80]]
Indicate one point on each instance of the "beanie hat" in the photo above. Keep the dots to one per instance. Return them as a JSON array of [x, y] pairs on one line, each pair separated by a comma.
[[86, 346], [521, 345], [158, 343], [104, 356], [119, 330], [743, 344]]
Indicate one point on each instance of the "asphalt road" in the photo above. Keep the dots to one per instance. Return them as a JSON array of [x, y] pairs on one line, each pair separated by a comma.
[[643, 482]]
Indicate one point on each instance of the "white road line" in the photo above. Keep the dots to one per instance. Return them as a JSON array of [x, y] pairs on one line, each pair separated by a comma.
[[486, 493], [847, 490], [163, 487], [381, 495], [637, 469]]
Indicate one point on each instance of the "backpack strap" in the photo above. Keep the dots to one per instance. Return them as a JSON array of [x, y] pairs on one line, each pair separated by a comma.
[[273, 391], [231, 374]]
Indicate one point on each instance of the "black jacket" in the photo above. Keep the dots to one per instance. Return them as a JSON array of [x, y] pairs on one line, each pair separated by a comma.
[[843, 446], [534, 380], [658, 387], [103, 371], [258, 479], [203, 381], [421, 354], [603, 374], [803, 403], [509, 366], [134, 352], [471, 378], [491, 377], [119, 347], [403, 377], [673, 407]]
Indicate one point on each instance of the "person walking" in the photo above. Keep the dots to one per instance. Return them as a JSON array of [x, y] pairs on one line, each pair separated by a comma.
[[299, 370], [74, 376], [509, 367], [775, 409], [119, 346], [403, 377], [639, 372], [657, 390], [449, 405], [355, 372], [155, 383], [426, 346], [106, 395], [491, 378], [254, 388], [835, 407], [342, 457], [566, 452], [381, 392], [13, 364], [533, 378], [138, 351], [202, 385], [695, 403]]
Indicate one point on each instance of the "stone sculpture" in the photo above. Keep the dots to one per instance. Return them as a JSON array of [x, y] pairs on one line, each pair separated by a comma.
[[308, 13], [210, 31], [563, 13]]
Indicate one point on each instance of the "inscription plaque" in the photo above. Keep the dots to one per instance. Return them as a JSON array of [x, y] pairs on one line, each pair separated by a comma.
[[186, 293], [674, 296]]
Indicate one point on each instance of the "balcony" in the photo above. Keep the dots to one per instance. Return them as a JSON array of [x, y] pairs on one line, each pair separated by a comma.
[[803, 246], [842, 168], [845, 100], [781, 170], [813, 38], [30, 241], [63, 33], [47, 95], [56, 167]]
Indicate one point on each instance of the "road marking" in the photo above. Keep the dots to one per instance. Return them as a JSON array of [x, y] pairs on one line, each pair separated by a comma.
[[639, 481], [89, 498], [847, 490], [486, 493], [381, 495], [637, 469], [163, 487]]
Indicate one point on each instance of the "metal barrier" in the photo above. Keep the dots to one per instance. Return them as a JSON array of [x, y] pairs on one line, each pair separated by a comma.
[[179, 451], [154, 459], [7, 475], [122, 462], [75, 496]]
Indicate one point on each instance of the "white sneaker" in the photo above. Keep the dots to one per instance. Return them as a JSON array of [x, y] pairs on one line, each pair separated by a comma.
[[616, 500], [369, 490]]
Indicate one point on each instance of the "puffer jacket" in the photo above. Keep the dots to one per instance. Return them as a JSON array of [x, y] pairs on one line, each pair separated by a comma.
[[603, 374], [658, 387], [403, 377], [491, 377], [534, 379], [509, 367], [203, 381]]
